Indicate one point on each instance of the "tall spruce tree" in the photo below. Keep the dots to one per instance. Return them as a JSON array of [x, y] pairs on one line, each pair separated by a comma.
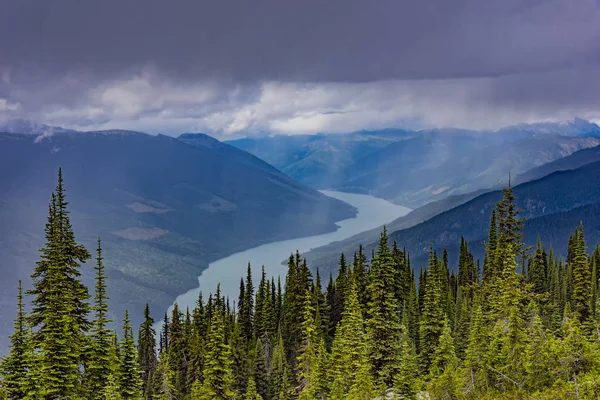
[[384, 330], [217, 384], [14, 368], [147, 359], [582, 289], [99, 364], [433, 311], [129, 381], [59, 317], [311, 355]]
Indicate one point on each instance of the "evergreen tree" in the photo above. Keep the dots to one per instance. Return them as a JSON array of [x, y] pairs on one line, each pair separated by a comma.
[[247, 306], [251, 393], [311, 354], [280, 386], [60, 310], [164, 335], [259, 370], [581, 279], [444, 354], [178, 353], [537, 356], [359, 270], [475, 354], [161, 387], [239, 365], [99, 364], [405, 381], [433, 311], [130, 383], [147, 359], [14, 367], [490, 248], [349, 351], [217, 364], [383, 325], [110, 389]]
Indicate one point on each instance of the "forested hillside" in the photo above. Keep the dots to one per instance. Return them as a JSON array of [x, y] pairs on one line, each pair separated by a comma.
[[560, 196], [164, 208], [488, 331]]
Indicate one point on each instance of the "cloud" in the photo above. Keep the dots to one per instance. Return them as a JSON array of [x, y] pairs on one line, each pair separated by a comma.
[[298, 67]]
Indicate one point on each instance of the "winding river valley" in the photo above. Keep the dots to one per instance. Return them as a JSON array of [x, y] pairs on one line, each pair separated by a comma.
[[372, 212]]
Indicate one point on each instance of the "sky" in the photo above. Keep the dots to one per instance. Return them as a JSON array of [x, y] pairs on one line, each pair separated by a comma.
[[236, 68]]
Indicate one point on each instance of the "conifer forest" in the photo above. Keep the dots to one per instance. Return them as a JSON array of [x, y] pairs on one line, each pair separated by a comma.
[[522, 323]]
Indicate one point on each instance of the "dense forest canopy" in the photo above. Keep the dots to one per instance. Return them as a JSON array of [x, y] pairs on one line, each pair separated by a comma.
[[520, 324]]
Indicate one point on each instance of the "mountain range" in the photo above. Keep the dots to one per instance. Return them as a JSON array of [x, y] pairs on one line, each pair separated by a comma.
[[163, 207], [552, 205], [415, 167]]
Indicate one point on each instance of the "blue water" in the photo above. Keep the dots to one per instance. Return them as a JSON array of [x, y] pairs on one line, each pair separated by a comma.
[[372, 212]]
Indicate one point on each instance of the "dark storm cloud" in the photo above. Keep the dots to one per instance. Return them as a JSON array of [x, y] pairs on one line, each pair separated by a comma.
[[334, 40], [298, 66]]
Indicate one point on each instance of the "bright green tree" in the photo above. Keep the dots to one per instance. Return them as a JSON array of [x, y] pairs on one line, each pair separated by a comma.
[[60, 308], [14, 367], [217, 383], [251, 393], [100, 362]]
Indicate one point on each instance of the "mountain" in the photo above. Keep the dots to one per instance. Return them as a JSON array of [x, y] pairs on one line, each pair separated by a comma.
[[318, 159], [573, 161], [31, 128], [575, 127], [436, 164], [553, 205], [413, 168], [164, 208]]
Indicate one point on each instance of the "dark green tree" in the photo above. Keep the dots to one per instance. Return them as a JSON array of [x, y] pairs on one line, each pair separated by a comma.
[[147, 359], [130, 383], [384, 330]]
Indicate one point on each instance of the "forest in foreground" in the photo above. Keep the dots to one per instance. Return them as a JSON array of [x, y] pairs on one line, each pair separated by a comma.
[[521, 324]]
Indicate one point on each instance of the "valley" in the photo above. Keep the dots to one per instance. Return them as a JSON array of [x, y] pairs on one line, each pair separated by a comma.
[[371, 213]]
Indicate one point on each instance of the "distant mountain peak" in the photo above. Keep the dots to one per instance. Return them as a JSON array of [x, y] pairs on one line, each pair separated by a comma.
[[574, 127], [30, 127]]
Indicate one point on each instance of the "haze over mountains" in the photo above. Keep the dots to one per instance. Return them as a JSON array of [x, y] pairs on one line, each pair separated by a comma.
[[164, 208], [553, 205], [415, 167]]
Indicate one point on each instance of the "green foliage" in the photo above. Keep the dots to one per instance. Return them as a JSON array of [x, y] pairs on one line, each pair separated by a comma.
[[350, 353], [510, 334], [251, 393], [147, 359], [384, 330], [406, 381], [14, 367], [129, 381], [100, 363], [217, 363]]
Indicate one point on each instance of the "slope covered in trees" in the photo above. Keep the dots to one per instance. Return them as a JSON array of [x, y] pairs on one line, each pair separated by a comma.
[[164, 208], [494, 331], [573, 161], [552, 206]]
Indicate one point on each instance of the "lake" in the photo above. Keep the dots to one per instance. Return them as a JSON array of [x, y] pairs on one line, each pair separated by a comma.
[[372, 212]]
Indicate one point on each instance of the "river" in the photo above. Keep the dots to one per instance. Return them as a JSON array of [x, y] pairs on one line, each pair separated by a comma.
[[372, 212]]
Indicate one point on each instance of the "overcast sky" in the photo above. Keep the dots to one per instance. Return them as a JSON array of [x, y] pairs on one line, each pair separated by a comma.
[[255, 67]]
